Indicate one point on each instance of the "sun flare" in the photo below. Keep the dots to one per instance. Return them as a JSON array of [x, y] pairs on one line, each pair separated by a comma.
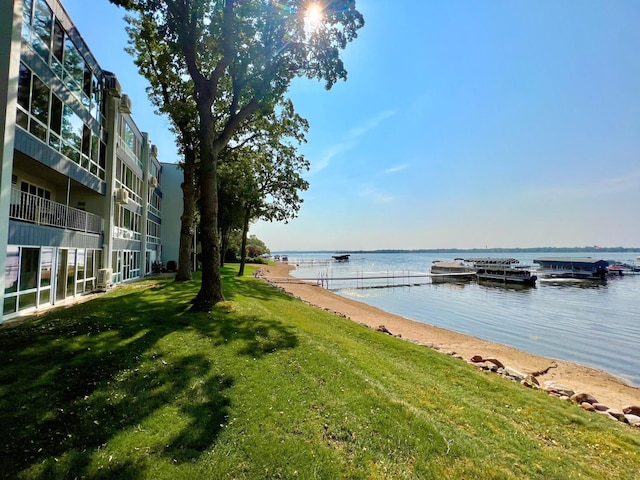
[[313, 15]]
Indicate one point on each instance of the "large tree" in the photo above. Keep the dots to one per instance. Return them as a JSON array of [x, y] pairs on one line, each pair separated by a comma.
[[242, 56], [171, 92]]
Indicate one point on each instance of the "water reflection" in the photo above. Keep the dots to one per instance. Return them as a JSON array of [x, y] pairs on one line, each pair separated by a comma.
[[590, 323]]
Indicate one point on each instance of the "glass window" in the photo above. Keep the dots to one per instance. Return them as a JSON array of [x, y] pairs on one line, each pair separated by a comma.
[[96, 91], [95, 148], [24, 87], [42, 23], [29, 261], [40, 100], [26, 19], [55, 120], [45, 296], [72, 128], [86, 86], [46, 267], [103, 154], [22, 119], [38, 130], [27, 300], [11, 268], [129, 137], [80, 263], [86, 140], [61, 278], [73, 67], [10, 305], [71, 272], [58, 42], [89, 268]]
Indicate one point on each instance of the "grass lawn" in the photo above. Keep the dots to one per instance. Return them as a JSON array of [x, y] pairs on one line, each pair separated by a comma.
[[133, 385]]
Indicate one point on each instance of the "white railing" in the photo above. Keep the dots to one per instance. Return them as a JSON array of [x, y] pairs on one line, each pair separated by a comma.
[[126, 234], [41, 211]]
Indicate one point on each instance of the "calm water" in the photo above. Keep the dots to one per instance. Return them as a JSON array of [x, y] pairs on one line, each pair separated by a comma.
[[597, 325]]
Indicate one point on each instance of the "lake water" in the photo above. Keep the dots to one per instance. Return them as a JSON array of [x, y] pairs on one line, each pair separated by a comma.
[[594, 325]]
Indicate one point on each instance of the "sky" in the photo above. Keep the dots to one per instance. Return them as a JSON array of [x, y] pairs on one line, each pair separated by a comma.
[[463, 124]]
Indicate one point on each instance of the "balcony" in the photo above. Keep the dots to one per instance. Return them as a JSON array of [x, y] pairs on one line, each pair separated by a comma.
[[40, 211]]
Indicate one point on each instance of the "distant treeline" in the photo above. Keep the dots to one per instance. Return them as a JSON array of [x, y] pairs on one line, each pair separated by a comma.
[[502, 250]]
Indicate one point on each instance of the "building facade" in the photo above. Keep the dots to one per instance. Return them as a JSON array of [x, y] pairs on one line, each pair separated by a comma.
[[80, 196]]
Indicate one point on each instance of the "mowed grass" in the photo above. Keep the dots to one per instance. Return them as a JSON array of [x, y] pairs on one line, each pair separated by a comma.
[[133, 385]]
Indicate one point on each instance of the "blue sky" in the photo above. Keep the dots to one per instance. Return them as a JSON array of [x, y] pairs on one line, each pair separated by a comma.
[[471, 123]]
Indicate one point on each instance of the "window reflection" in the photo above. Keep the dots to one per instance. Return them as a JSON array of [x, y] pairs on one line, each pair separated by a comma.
[[46, 267], [72, 127], [24, 87], [11, 269], [40, 100], [42, 23], [29, 268], [73, 67]]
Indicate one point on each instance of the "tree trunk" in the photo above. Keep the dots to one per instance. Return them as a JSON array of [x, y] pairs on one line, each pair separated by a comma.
[[211, 288], [187, 221], [225, 245], [243, 248]]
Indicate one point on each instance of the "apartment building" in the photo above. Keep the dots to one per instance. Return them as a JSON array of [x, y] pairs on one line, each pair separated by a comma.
[[80, 196]]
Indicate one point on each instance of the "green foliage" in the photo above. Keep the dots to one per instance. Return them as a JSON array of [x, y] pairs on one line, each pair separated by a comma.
[[133, 385], [240, 58], [259, 247]]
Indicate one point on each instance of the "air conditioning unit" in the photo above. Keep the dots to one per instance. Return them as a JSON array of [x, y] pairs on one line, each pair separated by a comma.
[[104, 278], [111, 84], [125, 104], [153, 182], [122, 195], [154, 151]]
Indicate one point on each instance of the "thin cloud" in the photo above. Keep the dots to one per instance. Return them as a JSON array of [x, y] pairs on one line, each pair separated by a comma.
[[372, 124], [396, 169], [328, 154], [349, 141], [376, 196]]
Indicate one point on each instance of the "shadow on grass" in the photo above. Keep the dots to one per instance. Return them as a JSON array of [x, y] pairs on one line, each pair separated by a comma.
[[74, 379]]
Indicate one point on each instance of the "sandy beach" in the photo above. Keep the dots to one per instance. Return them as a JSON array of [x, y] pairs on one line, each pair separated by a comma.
[[608, 389]]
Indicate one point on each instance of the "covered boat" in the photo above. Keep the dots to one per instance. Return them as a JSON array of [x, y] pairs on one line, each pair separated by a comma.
[[503, 270], [456, 270], [572, 268]]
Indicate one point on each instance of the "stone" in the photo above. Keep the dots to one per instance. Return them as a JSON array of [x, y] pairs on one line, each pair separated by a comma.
[[554, 387], [600, 407], [495, 361], [632, 410], [587, 406], [606, 414], [477, 359], [515, 374], [632, 419], [584, 397], [530, 382], [617, 414]]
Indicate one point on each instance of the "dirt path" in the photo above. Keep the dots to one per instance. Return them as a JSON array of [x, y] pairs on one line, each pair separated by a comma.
[[605, 387]]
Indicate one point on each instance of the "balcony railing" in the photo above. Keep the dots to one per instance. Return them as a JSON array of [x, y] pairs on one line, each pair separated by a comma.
[[41, 211]]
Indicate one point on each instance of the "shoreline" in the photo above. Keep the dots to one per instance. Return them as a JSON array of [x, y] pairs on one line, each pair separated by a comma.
[[605, 387]]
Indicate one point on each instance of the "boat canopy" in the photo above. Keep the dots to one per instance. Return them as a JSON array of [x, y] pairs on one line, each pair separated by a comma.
[[568, 262], [492, 261]]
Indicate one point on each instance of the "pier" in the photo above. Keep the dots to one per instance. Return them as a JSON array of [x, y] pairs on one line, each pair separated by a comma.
[[372, 280]]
